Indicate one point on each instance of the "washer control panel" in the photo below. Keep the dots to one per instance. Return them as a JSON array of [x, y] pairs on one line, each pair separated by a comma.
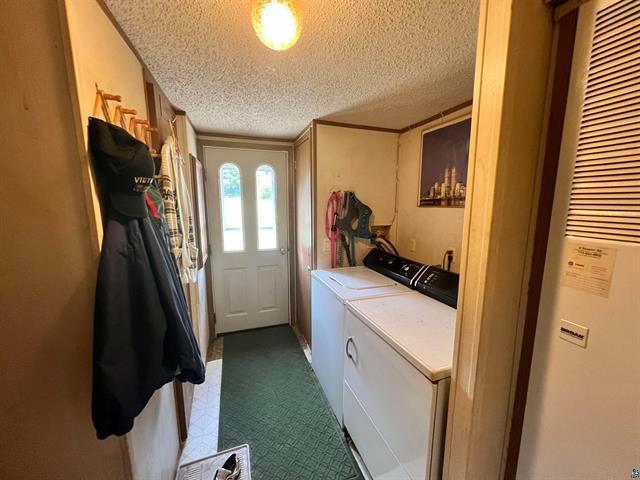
[[439, 284], [401, 269]]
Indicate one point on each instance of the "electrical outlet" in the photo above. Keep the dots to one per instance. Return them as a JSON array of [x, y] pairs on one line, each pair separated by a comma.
[[412, 244], [449, 258]]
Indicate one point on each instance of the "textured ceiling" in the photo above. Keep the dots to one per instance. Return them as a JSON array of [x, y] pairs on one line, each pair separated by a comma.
[[386, 63]]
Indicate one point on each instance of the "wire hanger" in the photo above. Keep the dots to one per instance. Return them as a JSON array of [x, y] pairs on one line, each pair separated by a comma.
[[176, 145]]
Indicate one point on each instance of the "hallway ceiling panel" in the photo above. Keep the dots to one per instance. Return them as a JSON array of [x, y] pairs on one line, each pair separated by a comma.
[[385, 63]]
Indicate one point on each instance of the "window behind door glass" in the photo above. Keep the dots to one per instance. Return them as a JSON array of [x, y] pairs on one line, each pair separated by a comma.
[[266, 207], [231, 206]]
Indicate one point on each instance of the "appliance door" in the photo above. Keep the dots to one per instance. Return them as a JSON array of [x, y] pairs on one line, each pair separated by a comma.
[[385, 394], [327, 323], [381, 463]]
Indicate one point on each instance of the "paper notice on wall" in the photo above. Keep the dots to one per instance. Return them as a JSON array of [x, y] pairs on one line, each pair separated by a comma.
[[588, 267]]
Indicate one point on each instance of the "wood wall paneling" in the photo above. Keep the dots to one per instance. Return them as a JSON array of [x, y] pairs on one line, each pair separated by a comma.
[[504, 164], [304, 235], [159, 110], [160, 113], [48, 278]]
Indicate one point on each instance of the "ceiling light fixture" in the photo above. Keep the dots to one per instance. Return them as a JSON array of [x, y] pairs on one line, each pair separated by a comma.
[[277, 22]]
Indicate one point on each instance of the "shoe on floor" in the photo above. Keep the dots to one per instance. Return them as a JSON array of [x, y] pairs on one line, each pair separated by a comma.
[[230, 470]]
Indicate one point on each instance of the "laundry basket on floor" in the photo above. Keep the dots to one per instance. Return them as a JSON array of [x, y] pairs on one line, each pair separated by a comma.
[[205, 468]]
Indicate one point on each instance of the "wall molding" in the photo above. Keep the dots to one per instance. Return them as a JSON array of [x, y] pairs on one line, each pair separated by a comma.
[[355, 125], [303, 134], [437, 116], [408, 128], [243, 139]]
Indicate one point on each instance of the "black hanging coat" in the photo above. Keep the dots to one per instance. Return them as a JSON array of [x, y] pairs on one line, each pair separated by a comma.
[[143, 336]]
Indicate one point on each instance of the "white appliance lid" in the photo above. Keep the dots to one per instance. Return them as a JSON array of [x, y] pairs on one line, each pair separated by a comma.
[[419, 328], [361, 279], [349, 283]]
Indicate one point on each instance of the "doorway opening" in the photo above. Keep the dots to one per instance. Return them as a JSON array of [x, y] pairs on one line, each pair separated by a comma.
[[247, 195]]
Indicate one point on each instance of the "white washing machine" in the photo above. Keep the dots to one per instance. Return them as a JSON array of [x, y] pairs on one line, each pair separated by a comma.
[[330, 290]]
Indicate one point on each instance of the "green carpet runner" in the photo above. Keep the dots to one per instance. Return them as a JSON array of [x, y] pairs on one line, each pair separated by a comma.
[[272, 401]]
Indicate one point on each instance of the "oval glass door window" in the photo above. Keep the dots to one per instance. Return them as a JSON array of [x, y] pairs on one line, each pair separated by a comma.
[[266, 208], [231, 206]]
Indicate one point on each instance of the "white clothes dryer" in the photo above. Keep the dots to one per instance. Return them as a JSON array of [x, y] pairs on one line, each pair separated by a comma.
[[398, 357]]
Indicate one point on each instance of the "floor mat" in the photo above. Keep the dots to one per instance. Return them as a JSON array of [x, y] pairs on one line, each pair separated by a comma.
[[271, 400]]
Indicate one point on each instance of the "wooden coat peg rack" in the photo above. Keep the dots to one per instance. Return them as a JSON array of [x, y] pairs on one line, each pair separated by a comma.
[[137, 127], [148, 140], [120, 115], [102, 103]]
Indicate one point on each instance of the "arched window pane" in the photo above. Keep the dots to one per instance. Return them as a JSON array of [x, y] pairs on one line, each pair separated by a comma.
[[266, 198], [231, 204]]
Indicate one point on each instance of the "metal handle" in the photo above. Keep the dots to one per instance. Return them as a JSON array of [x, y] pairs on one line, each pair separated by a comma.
[[346, 347], [284, 251]]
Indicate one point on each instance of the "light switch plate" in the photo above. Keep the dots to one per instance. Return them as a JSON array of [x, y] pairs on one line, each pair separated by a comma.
[[412, 244], [574, 333], [326, 245]]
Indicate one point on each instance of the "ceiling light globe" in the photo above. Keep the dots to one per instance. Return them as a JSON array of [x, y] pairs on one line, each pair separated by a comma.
[[277, 23]]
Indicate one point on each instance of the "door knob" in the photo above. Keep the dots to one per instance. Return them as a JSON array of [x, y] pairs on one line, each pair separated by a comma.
[[284, 251]]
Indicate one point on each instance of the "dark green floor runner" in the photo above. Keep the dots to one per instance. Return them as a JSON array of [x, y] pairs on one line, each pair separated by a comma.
[[272, 401]]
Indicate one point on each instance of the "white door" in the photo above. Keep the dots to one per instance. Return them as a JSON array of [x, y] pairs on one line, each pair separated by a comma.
[[582, 416], [247, 196]]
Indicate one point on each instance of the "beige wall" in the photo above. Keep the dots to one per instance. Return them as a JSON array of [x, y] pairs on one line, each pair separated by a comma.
[[368, 162], [363, 161], [153, 442], [100, 55], [435, 230], [48, 263]]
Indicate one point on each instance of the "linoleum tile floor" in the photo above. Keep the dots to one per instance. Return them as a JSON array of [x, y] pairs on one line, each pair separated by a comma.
[[202, 440]]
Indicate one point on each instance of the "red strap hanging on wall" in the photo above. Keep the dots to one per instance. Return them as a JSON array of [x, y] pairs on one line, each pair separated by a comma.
[[334, 203]]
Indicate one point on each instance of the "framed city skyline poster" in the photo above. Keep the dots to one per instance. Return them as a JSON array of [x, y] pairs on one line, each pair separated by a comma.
[[444, 157]]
